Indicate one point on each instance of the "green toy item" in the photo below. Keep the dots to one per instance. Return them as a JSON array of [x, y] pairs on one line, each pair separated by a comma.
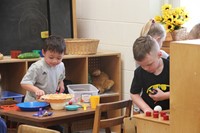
[[28, 55]]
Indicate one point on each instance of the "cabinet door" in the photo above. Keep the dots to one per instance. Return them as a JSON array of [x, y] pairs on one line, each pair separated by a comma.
[[184, 87]]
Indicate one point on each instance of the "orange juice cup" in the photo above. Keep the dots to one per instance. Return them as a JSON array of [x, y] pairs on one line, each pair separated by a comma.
[[94, 101]]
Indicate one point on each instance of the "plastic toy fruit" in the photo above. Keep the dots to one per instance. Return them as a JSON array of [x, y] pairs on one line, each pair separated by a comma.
[[70, 102]]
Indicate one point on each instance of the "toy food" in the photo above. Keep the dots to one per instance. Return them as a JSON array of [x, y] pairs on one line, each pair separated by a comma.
[[28, 55], [57, 101], [157, 108], [70, 103], [56, 98]]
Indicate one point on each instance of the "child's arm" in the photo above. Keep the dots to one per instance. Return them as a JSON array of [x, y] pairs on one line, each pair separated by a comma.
[[61, 87], [160, 95], [38, 92], [140, 103]]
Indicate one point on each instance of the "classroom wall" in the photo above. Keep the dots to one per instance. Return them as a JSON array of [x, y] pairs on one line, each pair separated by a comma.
[[117, 23]]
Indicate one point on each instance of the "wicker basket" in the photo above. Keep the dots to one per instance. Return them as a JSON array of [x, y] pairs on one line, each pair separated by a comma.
[[81, 46], [180, 34]]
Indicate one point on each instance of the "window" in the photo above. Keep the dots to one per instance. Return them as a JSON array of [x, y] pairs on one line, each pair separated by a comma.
[[192, 8]]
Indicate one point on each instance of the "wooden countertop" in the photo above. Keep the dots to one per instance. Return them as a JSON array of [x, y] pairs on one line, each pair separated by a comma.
[[156, 120]]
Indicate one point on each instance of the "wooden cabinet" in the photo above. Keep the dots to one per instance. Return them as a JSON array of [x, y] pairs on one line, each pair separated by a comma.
[[77, 69], [166, 43], [184, 86], [146, 124]]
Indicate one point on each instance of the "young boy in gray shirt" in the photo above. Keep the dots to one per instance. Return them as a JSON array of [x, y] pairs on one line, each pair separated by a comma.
[[46, 75]]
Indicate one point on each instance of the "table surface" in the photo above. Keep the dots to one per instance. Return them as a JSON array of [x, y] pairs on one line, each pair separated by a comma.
[[58, 116]]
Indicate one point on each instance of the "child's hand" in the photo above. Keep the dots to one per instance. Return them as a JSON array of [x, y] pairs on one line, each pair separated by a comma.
[[159, 96], [152, 91], [39, 93], [61, 87]]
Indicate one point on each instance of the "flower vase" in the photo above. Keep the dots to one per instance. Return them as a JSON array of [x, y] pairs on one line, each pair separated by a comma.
[[180, 34], [168, 37]]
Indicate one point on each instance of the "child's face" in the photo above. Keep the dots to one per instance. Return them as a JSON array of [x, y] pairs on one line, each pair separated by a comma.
[[151, 62], [52, 58]]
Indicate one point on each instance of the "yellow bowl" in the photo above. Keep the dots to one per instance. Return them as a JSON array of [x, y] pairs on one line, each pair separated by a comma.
[[58, 106], [57, 101]]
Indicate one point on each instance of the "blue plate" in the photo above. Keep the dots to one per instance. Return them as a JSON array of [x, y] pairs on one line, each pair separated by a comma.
[[72, 107], [32, 106]]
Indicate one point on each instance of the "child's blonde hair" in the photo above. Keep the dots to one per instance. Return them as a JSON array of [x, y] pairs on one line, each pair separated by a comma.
[[153, 29]]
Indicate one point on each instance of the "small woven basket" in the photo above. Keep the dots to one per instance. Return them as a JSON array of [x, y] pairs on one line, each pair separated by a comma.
[[81, 46], [180, 34]]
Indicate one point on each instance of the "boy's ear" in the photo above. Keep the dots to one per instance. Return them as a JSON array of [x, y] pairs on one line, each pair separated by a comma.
[[159, 54], [43, 53]]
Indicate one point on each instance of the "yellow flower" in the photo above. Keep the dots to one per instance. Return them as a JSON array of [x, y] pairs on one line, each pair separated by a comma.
[[185, 16], [166, 7], [178, 22], [158, 19], [168, 19], [172, 18], [169, 27]]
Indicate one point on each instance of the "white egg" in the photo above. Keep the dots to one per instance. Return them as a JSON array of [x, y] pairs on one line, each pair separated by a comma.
[[157, 108]]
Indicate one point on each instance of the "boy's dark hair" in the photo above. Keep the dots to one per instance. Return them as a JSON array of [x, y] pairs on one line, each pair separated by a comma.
[[55, 44], [143, 46]]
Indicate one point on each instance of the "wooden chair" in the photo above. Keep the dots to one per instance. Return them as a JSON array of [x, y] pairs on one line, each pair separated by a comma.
[[33, 129], [103, 120]]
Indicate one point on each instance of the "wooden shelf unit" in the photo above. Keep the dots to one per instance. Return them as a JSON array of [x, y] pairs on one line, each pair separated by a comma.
[[184, 86], [77, 69]]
